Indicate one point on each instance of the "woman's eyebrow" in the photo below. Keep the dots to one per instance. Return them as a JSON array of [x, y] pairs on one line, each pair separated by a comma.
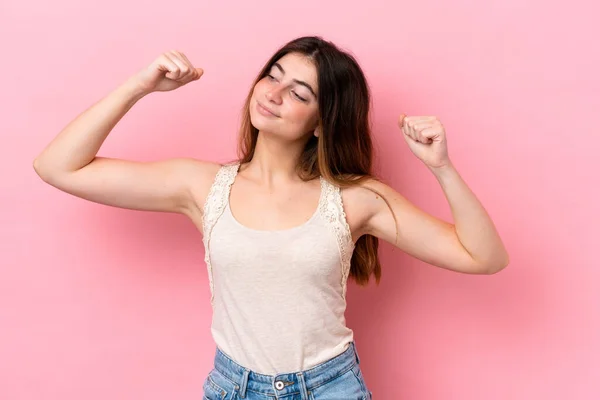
[[296, 80]]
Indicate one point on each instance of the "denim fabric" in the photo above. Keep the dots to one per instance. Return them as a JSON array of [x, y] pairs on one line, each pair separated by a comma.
[[339, 378]]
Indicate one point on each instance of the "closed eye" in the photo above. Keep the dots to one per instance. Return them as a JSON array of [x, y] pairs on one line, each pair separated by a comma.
[[272, 78], [298, 97]]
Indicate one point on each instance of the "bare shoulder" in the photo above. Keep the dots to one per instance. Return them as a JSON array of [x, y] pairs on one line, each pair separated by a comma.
[[362, 202], [200, 175]]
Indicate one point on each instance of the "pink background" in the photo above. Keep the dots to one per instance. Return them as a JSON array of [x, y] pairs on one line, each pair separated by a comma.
[[102, 303]]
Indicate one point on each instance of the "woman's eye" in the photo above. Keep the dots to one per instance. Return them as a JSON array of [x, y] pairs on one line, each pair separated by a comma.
[[271, 77], [298, 97]]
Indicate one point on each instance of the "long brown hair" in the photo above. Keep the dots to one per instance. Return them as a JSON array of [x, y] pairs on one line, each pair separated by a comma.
[[343, 152]]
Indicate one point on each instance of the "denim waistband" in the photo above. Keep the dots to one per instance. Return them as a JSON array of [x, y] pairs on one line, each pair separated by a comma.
[[288, 383]]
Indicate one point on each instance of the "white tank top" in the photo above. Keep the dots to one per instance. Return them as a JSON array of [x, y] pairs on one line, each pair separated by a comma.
[[278, 297]]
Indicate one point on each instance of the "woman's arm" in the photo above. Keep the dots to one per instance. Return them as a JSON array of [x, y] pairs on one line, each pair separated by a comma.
[[471, 245], [69, 162]]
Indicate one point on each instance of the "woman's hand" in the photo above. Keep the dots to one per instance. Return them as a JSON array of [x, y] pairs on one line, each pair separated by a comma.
[[426, 138], [169, 71]]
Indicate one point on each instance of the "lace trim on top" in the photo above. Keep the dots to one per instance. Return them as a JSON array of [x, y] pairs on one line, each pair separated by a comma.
[[213, 208], [332, 210]]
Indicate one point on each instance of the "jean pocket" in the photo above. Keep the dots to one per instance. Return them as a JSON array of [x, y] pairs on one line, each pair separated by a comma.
[[361, 380], [212, 389], [345, 386]]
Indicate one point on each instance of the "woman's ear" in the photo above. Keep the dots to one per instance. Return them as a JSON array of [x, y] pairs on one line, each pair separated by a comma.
[[317, 132]]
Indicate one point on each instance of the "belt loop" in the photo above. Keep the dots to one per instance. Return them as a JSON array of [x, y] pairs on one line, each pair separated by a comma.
[[356, 353], [303, 389], [244, 383]]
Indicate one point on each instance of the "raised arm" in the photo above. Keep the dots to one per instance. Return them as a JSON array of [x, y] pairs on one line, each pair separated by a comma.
[[471, 245], [69, 161]]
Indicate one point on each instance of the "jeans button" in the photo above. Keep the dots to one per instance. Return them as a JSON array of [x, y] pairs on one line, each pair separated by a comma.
[[279, 385]]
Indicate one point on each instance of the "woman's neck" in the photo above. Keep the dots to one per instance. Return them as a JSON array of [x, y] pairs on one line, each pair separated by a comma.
[[274, 161]]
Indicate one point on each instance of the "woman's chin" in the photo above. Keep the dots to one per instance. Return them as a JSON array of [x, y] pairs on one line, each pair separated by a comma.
[[262, 123]]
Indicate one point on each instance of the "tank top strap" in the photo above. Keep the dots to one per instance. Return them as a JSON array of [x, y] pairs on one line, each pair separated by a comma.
[[332, 210], [214, 205]]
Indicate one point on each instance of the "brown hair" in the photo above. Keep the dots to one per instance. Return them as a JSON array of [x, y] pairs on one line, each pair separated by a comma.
[[343, 152]]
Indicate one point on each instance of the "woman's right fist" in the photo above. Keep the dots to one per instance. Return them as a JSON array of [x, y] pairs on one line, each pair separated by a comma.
[[169, 71]]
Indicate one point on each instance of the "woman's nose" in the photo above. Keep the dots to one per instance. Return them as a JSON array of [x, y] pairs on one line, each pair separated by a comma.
[[274, 94]]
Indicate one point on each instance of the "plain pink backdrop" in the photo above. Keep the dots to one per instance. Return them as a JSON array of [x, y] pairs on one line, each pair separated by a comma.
[[103, 303]]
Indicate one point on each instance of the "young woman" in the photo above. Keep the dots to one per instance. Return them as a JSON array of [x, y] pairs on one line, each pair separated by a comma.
[[286, 224]]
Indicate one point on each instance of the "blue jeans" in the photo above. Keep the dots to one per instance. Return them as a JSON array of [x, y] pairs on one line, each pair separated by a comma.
[[339, 378]]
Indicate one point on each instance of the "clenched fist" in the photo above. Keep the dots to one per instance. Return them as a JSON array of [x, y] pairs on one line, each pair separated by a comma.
[[426, 138], [169, 71]]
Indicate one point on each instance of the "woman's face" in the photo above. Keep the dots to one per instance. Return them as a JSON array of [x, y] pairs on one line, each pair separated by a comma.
[[284, 102]]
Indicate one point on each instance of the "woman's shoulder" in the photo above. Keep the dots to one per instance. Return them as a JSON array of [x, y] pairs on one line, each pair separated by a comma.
[[366, 190], [202, 171], [362, 199], [201, 175]]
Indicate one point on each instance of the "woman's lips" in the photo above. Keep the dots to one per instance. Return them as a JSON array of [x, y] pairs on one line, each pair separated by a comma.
[[264, 111]]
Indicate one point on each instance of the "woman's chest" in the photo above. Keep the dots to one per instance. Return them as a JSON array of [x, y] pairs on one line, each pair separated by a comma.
[[309, 252], [274, 210]]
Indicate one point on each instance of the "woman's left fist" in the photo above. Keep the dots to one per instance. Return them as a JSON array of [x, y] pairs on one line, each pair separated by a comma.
[[426, 138]]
